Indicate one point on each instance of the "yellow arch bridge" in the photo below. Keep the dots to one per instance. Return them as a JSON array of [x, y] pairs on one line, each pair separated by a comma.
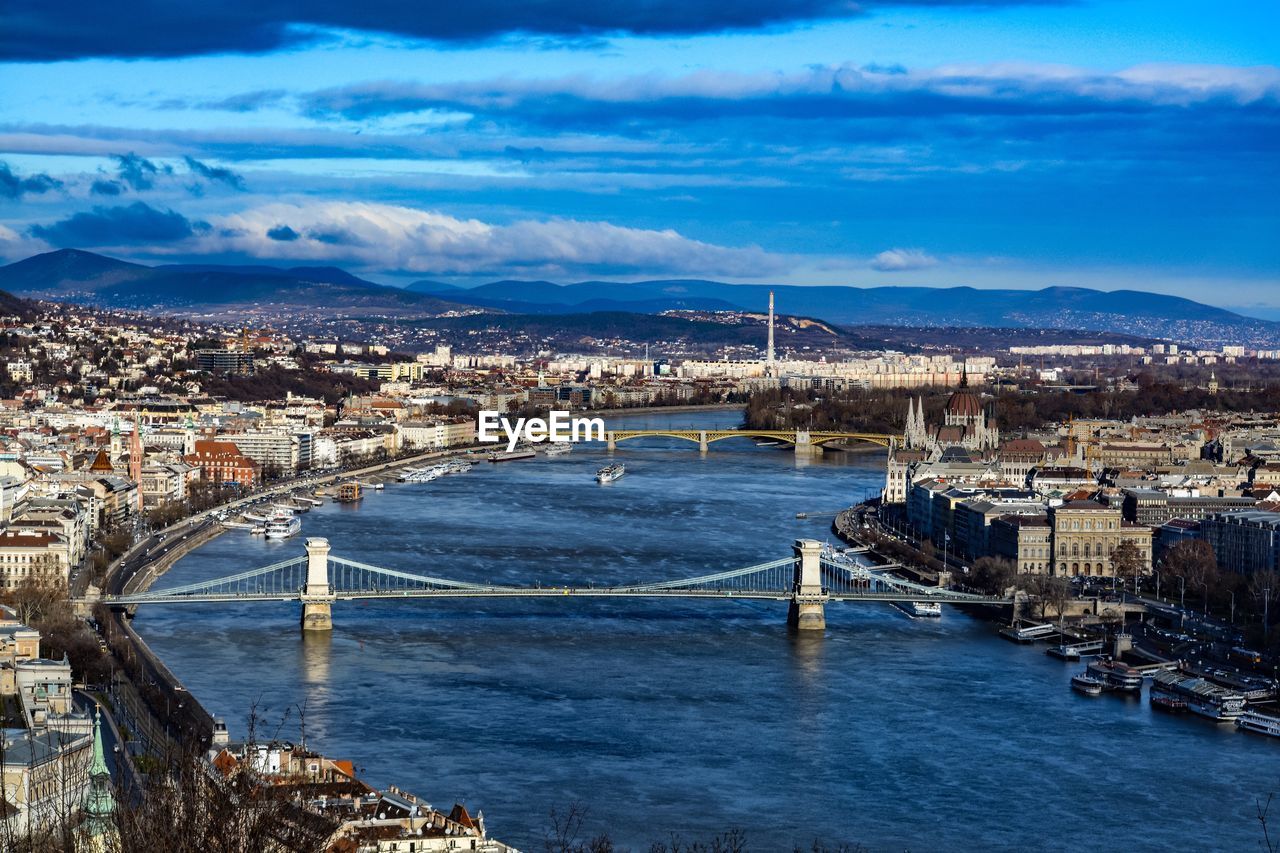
[[806, 442]]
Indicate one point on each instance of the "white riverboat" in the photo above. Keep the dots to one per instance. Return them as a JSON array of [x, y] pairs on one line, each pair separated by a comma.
[[282, 525], [558, 448], [1263, 724], [609, 473], [922, 609], [1084, 683]]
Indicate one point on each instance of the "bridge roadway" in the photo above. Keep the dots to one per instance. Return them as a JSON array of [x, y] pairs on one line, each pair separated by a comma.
[[808, 580], [805, 441], [940, 596]]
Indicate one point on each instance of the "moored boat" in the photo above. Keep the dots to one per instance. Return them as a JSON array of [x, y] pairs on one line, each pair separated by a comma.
[[282, 525], [1117, 675], [1084, 683], [511, 455], [1202, 696], [1263, 724], [1170, 703]]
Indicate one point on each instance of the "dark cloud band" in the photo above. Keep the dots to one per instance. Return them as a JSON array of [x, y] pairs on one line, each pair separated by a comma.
[[135, 224], [36, 30], [13, 186]]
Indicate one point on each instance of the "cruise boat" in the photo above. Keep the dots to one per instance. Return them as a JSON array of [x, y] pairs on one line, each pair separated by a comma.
[[1084, 683], [1202, 696], [282, 525], [609, 473], [1117, 675], [558, 448], [1263, 724], [923, 609], [511, 455]]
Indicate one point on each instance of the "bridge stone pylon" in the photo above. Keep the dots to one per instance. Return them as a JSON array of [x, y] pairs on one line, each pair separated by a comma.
[[807, 611], [317, 594]]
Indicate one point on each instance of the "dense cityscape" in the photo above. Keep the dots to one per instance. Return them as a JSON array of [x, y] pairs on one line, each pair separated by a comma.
[[1149, 539]]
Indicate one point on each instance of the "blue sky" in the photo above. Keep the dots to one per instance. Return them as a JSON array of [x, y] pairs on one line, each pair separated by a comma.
[[1012, 143]]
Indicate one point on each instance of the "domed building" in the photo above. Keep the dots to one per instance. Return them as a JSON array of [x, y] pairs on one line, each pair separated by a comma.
[[965, 424]]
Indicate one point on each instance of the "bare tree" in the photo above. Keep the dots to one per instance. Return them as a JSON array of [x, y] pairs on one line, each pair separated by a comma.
[[564, 834], [1127, 562], [993, 575]]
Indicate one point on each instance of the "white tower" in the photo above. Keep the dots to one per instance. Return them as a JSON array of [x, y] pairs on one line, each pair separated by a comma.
[[769, 366]]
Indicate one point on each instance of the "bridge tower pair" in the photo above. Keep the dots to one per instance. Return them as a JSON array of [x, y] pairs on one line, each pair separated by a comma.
[[807, 610], [317, 596]]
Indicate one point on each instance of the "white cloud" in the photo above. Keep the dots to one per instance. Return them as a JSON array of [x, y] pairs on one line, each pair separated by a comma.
[[900, 260], [390, 237]]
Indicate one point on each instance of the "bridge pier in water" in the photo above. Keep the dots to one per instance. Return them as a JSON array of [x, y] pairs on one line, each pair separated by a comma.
[[807, 610], [804, 445], [702, 442], [317, 595]]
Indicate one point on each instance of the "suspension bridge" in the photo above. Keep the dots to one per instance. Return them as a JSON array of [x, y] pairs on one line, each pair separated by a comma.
[[808, 580], [806, 442]]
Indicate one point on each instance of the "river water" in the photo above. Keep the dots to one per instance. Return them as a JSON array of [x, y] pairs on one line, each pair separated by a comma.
[[693, 716]]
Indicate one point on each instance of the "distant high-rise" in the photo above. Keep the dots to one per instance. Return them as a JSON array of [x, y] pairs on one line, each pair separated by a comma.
[[769, 366]]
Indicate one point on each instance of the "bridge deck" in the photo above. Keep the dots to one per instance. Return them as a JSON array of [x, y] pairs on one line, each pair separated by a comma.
[[792, 436], [941, 597]]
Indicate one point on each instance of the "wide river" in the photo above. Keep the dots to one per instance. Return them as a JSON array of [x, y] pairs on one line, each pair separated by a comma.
[[693, 717]]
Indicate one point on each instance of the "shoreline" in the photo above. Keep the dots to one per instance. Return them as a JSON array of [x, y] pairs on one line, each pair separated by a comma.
[[658, 410]]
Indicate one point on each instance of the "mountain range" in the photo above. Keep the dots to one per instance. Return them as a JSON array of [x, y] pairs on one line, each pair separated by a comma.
[[71, 275], [230, 291], [1122, 311]]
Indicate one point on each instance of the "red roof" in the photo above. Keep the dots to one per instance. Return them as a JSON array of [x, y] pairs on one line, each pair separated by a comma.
[[965, 404]]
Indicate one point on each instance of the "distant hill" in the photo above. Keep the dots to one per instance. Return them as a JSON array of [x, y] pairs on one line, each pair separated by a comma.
[[71, 275], [229, 291], [12, 306], [1123, 311], [597, 327]]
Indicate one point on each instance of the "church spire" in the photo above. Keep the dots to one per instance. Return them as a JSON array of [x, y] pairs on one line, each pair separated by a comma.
[[100, 802]]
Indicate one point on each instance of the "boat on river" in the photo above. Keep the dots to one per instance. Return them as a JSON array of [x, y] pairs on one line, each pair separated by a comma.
[[609, 473], [1259, 723], [1117, 675], [282, 525], [1163, 700], [1084, 683], [511, 455], [1202, 696]]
